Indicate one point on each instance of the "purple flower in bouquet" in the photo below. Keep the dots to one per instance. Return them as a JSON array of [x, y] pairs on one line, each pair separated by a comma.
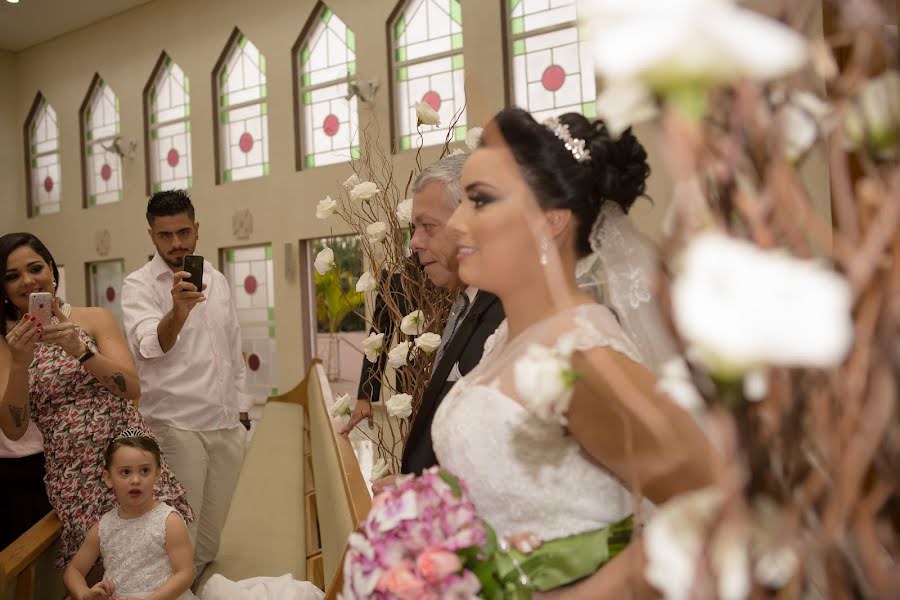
[[408, 547]]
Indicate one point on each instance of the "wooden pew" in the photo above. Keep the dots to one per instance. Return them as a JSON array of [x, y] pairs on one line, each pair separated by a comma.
[[339, 491]]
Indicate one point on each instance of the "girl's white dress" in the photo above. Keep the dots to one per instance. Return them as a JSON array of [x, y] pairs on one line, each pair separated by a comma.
[[134, 552]]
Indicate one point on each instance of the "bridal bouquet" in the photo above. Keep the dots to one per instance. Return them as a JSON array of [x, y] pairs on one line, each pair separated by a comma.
[[422, 540], [415, 542]]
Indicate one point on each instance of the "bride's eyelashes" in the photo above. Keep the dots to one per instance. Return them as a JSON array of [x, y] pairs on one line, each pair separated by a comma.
[[480, 199]]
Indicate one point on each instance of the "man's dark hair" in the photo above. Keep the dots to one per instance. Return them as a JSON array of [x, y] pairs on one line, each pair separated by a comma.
[[168, 203]]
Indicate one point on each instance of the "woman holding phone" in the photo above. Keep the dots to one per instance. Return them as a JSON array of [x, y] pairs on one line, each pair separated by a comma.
[[75, 379]]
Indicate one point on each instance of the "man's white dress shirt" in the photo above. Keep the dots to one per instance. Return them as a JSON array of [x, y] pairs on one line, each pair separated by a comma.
[[200, 383]]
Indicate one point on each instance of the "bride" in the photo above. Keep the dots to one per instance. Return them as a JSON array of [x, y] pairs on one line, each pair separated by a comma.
[[539, 197]]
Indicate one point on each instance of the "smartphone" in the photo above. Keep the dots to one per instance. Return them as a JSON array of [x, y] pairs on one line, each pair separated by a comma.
[[193, 264], [39, 305]]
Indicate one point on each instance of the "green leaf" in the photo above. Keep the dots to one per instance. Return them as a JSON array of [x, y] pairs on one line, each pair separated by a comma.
[[452, 481]]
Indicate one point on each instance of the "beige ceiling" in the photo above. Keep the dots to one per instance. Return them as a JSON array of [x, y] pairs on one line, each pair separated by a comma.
[[31, 22]]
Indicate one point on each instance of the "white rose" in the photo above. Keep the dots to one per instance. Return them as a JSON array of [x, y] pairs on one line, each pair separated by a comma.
[[623, 104], [428, 342], [373, 346], [398, 354], [366, 283], [544, 380], [404, 211], [341, 406], [376, 232], [351, 182], [379, 470], [425, 115], [413, 323], [399, 405], [740, 307], [668, 45], [325, 208], [677, 536], [324, 261], [364, 191], [473, 137]]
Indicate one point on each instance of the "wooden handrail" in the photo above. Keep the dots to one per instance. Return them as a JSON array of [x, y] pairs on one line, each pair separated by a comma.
[[354, 485], [19, 556]]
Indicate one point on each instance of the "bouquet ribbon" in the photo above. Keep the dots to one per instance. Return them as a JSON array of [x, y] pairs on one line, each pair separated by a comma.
[[565, 560]]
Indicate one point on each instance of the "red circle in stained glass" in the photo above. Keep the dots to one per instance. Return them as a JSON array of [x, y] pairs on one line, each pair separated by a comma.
[[173, 157], [253, 362], [110, 294], [432, 99], [246, 142], [48, 184], [250, 284], [330, 125], [553, 78], [105, 172]]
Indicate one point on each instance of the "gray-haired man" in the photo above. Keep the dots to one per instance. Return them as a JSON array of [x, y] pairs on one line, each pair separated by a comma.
[[476, 314]]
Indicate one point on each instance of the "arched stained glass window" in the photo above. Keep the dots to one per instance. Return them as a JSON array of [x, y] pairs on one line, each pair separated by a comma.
[[241, 111], [551, 66], [427, 53], [42, 138], [168, 101], [100, 128], [325, 59]]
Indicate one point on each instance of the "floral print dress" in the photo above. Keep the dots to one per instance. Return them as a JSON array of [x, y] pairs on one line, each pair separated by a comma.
[[78, 418]]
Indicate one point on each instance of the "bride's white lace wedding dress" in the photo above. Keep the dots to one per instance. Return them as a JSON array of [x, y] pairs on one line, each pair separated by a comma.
[[525, 474]]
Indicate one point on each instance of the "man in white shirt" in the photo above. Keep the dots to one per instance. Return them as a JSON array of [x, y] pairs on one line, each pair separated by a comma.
[[187, 347]]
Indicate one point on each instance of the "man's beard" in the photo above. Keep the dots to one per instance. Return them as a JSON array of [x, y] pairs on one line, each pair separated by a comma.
[[176, 262]]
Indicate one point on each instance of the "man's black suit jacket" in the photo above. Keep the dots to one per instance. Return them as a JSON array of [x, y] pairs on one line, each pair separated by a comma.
[[484, 316], [370, 373]]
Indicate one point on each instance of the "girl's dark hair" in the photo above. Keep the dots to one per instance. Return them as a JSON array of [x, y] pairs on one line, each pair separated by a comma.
[[141, 442], [8, 244], [617, 170]]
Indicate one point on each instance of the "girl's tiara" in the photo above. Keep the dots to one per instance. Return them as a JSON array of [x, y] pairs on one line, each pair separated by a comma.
[[131, 432], [573, 144]]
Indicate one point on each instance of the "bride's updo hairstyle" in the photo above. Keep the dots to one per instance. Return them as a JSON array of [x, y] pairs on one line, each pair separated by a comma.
[[616, 171]]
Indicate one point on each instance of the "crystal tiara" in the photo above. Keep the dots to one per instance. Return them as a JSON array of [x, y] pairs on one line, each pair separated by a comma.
[[573, 144], [131, 432]]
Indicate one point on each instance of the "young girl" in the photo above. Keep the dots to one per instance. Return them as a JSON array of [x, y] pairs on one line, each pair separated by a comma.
[[144, 543]]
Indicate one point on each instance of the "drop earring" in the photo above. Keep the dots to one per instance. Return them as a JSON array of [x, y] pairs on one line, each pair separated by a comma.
[[545, 252]]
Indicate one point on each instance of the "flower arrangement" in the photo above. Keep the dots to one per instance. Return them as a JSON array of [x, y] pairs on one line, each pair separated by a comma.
[[423, 539], [409, 312]]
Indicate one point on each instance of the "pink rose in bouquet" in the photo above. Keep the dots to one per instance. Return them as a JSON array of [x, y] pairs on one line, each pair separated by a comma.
[[413, 542]]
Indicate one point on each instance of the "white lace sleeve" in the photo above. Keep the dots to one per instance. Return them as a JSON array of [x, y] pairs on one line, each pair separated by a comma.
[[543, 375]]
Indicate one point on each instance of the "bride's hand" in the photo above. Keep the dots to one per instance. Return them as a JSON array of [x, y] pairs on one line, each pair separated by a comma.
[[526, 542]]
